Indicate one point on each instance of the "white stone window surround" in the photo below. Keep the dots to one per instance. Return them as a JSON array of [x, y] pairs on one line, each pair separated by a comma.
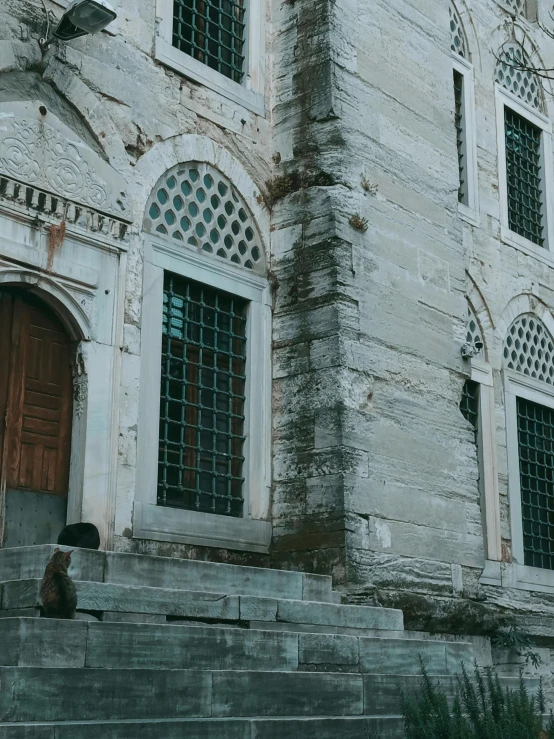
[[518, 385], [515, 574], [250, 93], [468, 211], [504, 99], [481, 373], [151, 521]]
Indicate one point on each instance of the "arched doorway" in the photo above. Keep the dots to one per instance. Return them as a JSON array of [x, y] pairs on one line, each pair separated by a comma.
[[35, 419]]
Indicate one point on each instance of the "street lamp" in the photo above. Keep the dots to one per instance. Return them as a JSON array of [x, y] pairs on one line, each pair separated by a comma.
[[81, 17]]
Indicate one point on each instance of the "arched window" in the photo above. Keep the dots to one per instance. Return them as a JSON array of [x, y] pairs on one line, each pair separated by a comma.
[[528, 356], [205, 433], [518, 6], [458, 43], [529, 348], [524, 150], [473, 334], [520, 82], [196, 204], [463, 117]]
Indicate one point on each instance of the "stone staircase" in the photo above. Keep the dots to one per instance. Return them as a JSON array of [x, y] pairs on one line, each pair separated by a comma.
[[177, 648]]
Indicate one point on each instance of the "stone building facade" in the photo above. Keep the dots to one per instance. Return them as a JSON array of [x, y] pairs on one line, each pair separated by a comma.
[[276, 273]]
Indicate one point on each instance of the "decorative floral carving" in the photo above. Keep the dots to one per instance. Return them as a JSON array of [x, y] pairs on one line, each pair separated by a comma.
[[80, 384], [35, 153]]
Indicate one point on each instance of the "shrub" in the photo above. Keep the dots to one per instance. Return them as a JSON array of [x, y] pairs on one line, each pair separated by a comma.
[[480, 709]]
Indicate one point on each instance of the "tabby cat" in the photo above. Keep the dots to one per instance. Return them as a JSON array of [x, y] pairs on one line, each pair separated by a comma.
[[58, 593]]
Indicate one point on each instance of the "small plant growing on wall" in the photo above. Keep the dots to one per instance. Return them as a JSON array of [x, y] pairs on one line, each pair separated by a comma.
[[358, 223], [518, 642], [475, 707], [371, 187]]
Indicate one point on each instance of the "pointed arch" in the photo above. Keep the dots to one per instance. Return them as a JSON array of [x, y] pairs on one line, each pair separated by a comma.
[[461, 21], [479, 311], [458, 38], [173, 152]]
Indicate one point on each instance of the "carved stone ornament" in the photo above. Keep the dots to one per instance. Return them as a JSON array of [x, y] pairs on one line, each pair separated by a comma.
[[80, 384], [42, 151]]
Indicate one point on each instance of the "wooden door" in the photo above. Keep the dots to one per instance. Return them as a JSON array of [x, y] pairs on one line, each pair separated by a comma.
[[35, 397]]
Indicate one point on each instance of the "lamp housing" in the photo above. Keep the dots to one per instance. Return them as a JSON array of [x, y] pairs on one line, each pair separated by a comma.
[[82, 17]]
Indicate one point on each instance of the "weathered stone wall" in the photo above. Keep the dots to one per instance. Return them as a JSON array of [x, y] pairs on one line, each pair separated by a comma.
[[375, 474], [130, 104]]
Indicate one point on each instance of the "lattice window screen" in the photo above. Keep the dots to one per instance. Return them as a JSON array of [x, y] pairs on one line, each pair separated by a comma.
[[516, 6], [473, 332], [524, 84], [457, 36], [195, 204], [529, 349]]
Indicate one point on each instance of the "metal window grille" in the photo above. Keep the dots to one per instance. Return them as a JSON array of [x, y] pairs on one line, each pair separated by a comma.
[[524, 177], [202, 398], [459, 123], [535, 424], [469, 404], [212, 31]]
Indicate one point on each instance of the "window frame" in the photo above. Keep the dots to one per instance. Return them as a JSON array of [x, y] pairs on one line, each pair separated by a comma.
[[249, 93], [517, 385], [505, 99], [252, 532], [468, 211], [482, 374]]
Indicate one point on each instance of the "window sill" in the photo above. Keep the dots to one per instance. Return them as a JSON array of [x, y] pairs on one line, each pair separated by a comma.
[[201, 529], [517, 577], [470, 215], [527, 247], [167, 54]]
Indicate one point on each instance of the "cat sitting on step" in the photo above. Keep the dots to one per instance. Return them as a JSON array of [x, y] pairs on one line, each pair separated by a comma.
[[58, 593], [81, 535]]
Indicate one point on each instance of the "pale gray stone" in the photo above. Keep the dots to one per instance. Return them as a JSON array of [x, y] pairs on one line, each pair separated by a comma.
[[277, 694], [188, 647], [321, 649], [33, 694], [165, 572]]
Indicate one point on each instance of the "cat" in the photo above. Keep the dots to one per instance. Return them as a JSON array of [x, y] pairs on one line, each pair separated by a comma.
[[81, 535], [58, 592]]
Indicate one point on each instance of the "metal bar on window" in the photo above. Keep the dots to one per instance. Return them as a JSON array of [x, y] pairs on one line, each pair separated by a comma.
[[202, 401], [212, 31], [524, 177], [535, 427]]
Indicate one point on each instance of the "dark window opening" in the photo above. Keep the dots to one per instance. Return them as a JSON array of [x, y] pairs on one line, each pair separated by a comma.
[[524, 177], [535, 429], [202, 406], [212, 31]]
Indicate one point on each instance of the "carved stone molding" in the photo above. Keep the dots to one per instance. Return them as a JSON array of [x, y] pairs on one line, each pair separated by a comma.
[[40, 150], [33, 201]]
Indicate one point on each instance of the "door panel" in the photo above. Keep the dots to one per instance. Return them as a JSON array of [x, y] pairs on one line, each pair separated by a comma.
[[38, 406]]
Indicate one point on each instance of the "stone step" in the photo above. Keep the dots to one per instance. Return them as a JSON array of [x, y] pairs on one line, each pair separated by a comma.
[[89, 694], [23, 563], [353, 727], [30, 694], [383, 696], [31, 642], [108, 598]]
